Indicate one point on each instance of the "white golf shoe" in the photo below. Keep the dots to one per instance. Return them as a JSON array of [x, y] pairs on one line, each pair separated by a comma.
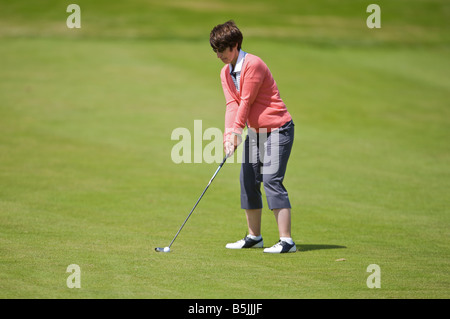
[[247, 242], [281, 247]]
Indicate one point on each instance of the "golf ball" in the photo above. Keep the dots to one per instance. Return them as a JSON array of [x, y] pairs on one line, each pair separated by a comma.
[[166, 249]]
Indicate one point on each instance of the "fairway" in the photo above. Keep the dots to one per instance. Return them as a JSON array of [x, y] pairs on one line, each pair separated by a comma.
[[87, 178]]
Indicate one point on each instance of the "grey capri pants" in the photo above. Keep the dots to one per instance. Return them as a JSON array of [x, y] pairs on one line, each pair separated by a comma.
[[265, 159]]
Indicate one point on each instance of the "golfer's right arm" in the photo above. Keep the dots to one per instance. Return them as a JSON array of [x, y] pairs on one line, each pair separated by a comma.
[[231, 140]]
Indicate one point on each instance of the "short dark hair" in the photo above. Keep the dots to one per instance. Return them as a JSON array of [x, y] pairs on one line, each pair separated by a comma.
[[225, 35]]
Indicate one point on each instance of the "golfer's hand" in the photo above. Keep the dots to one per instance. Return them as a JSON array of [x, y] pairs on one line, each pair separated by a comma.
[[228, 148], [232, 143]]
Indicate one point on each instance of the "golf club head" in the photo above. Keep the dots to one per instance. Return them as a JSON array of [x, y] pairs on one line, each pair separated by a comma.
[[162, 250]]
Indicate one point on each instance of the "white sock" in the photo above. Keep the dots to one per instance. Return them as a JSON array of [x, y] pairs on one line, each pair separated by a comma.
[[254, 237], [288, 240]]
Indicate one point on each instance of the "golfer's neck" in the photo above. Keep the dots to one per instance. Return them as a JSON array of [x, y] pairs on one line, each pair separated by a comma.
[[233, 63]]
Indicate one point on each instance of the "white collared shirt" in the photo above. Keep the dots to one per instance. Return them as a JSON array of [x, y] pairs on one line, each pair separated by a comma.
[[236, 73]]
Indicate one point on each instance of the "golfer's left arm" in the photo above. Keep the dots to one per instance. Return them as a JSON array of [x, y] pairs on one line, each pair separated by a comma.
[[253, 79]]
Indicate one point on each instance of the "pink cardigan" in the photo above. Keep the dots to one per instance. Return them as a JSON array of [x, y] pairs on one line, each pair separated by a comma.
[[258, 104]]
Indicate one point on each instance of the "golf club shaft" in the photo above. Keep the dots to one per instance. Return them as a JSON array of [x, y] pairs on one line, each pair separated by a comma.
[[204, 191]]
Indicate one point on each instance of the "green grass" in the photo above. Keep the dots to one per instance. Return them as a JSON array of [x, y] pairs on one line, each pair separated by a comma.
[[85, 170]]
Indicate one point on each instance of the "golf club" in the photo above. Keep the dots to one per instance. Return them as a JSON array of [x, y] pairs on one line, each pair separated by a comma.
[[167, 249]]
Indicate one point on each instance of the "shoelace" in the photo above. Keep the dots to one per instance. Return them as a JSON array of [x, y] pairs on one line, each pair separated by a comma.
[[277, 244], [242, 241]]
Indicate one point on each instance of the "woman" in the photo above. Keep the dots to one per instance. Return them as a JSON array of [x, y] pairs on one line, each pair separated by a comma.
[[253, 99]]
